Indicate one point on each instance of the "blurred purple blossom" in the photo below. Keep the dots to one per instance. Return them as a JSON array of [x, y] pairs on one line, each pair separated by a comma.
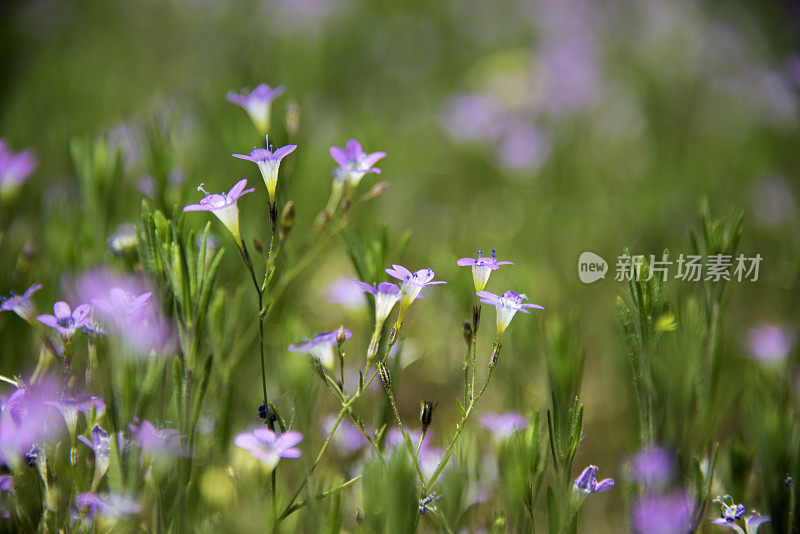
[[348, 438], [258, 104], [113, 506], [662, 514], [773, 201], [523, 147], [123, 239], [71, 406], [503, 425], [14, 169], [155, 440], [652, 464], [27, 418], [771, 342], [472, 117], [21, 304], [268, 446], [345, 291]]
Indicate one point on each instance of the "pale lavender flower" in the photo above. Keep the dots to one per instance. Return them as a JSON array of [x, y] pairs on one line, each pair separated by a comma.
[[412, 284], [504, 425], [111, 506], [224, 207], [147, 186], [507, 306], [523, 147], [571, 73], [652, 464], [346, 292], [587, 482], [321, 346], [386, 296], [770, 342], [482, 267], [268, 161], [100, 446], [472, 117], [773, 201], [66, 321], [71, 406], [258, 104], [122, 305], [14, 170], [154, 440], [733, 516], [355, 162], [662, 514], [21, 304], [269, 447]]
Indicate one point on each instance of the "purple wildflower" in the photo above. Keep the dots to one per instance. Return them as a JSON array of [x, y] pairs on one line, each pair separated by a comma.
[[14, 170], [587, 482], [258, 104], [122, 305], [154, 440], [771, 343], [668, 514], [652, 465], [21, 304], [355, 162], [111, 506], [505, 424], [482, 267], [386, 296], [71, 406], [412, 284], [268, 446], [100, 446], [348, 438], [66, 321], [472, 117], [268, 161], [733, 516], [224, 207], [321, 346], [507, 306], [26, 418]]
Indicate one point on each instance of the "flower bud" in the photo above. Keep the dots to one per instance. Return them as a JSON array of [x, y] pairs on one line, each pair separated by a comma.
[[292, 119], [468, 333], [426, 409], [340, 336], [378, 189], [476, 318], [386, 378]]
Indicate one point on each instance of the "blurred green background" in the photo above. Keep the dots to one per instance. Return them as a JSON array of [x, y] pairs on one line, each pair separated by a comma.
[[541, 128]]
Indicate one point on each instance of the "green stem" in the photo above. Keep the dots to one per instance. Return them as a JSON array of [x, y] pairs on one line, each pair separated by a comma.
[[406, 437]]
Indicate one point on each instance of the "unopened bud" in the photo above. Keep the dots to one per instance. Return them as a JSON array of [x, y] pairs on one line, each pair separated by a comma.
[[378, 189], [317, 365], [73, 456], [386, 378], [468, 333], [287, 219], [392, 334], [426, 409], [476, 318], [258, 245], [340, 336]]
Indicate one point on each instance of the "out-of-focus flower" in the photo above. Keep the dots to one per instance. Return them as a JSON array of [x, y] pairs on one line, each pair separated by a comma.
[[27, 418], [258, 104], [100, 446], [224, 207], [346, 292], [652, 464], [70, 406], [14, 171], [21, 304], [123, 239], [122, 305], [482, 267], [773, 201], [662, 514], [507, 306], [386, 296], [412, 284], [505, 424], [112, 506], [321, 346], [472, 117], [355, 162], [587, 483], [154, 440], [523, 147], [268, 161], [771, 343], [66, 321], [733, 516], [269, 447]]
